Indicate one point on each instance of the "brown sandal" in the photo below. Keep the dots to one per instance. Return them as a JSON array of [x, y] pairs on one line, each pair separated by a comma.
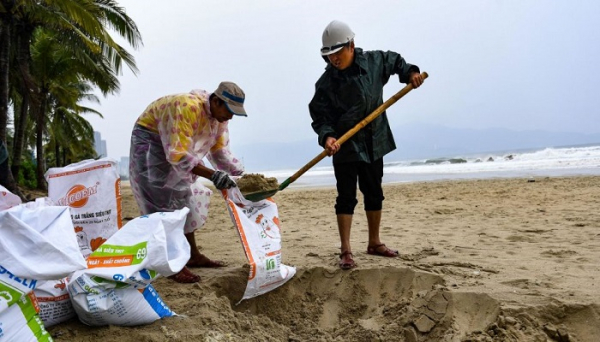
[[386, 252], [346, 261], [185, 276]]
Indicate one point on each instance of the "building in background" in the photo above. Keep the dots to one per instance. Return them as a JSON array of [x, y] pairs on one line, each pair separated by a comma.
[[124, 168], [100, 145]]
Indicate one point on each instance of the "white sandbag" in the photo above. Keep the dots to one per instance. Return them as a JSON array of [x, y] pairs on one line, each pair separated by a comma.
[[115, 289], [39, 203], [8, 199], [13, 288], [21, 323], [38, 244], [35, 244], [259, 228], [126, 307], [92, 189], [52, 296], [54, 302]]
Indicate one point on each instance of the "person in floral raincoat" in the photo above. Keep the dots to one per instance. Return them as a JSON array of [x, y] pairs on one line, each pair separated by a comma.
[[168, 144]]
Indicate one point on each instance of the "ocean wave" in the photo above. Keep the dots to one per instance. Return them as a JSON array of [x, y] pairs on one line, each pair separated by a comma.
[[553, 160]]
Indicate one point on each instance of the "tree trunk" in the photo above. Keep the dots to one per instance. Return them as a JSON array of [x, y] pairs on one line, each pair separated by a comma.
[[19, 135], [6, 24], [39, 144], [24, 33], [4, 70], [56, 154]]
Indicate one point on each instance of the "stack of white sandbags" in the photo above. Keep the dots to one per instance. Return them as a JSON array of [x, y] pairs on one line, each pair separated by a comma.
[[115, 287], [36, 243], [44, 276]]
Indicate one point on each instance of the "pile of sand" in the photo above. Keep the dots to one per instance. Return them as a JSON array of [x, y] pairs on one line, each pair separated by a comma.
[[254, 182]]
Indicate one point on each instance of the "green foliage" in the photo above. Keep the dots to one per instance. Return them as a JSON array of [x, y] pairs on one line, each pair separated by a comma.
[[26, 177]]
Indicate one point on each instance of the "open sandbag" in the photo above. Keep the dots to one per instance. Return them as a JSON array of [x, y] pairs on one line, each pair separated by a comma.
[[259, 229]]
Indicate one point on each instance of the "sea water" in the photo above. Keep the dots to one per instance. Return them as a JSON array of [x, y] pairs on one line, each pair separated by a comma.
[[531, 163]]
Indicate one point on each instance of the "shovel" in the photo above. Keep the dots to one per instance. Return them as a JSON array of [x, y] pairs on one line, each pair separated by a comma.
[[261, 195]]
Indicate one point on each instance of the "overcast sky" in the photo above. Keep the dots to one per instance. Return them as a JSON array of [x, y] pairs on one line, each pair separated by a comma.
[[513, 64]]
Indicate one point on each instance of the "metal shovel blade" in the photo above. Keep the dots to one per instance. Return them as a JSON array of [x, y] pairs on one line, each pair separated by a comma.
[[260, 195]]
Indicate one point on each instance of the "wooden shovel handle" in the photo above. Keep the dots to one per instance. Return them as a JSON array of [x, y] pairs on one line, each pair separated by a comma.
[[352, 131]]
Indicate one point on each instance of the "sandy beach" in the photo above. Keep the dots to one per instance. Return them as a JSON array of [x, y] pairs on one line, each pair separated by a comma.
[[481, 260]]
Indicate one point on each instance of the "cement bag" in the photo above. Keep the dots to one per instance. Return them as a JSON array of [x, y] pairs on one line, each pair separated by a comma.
[[52, 296], [37, 244], [115, 288], [39, 203], [8, 199], [92, 189], [259, 228], [21, 322], [54, 302]]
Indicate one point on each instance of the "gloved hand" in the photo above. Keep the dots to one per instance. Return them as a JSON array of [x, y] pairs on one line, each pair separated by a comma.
[[222, 181]]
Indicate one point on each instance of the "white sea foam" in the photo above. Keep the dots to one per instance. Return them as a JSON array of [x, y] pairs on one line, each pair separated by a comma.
[[546, 159], [563, 161]]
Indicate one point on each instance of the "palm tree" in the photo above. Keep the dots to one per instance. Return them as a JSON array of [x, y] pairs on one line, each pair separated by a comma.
[[72, 137], [6, 6], [80, 27], [60, 90]]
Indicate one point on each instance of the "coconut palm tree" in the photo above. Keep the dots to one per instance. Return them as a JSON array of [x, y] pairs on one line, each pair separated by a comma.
[[6, 7], [61, 89], [72, 137], [80, 27]]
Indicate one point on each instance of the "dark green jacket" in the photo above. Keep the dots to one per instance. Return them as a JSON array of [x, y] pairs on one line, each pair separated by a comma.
[[343, 98]]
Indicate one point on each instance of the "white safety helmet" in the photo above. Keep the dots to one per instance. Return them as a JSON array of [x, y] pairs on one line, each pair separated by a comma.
[[335, 36]]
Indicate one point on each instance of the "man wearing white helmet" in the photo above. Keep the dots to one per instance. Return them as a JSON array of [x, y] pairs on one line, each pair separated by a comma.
[[349, 90]]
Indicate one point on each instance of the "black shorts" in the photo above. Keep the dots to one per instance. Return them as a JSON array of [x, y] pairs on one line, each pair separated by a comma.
[[368, 176]]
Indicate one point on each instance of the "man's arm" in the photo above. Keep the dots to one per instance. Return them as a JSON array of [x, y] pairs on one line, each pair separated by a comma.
[[393, 63], [319, 108], [220, 155], [203, 171]]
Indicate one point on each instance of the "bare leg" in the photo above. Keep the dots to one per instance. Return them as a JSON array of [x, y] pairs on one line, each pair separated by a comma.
[[375, 246], [194, 251], [185, 275], [198, 259], [344, 225], [374, 220]]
